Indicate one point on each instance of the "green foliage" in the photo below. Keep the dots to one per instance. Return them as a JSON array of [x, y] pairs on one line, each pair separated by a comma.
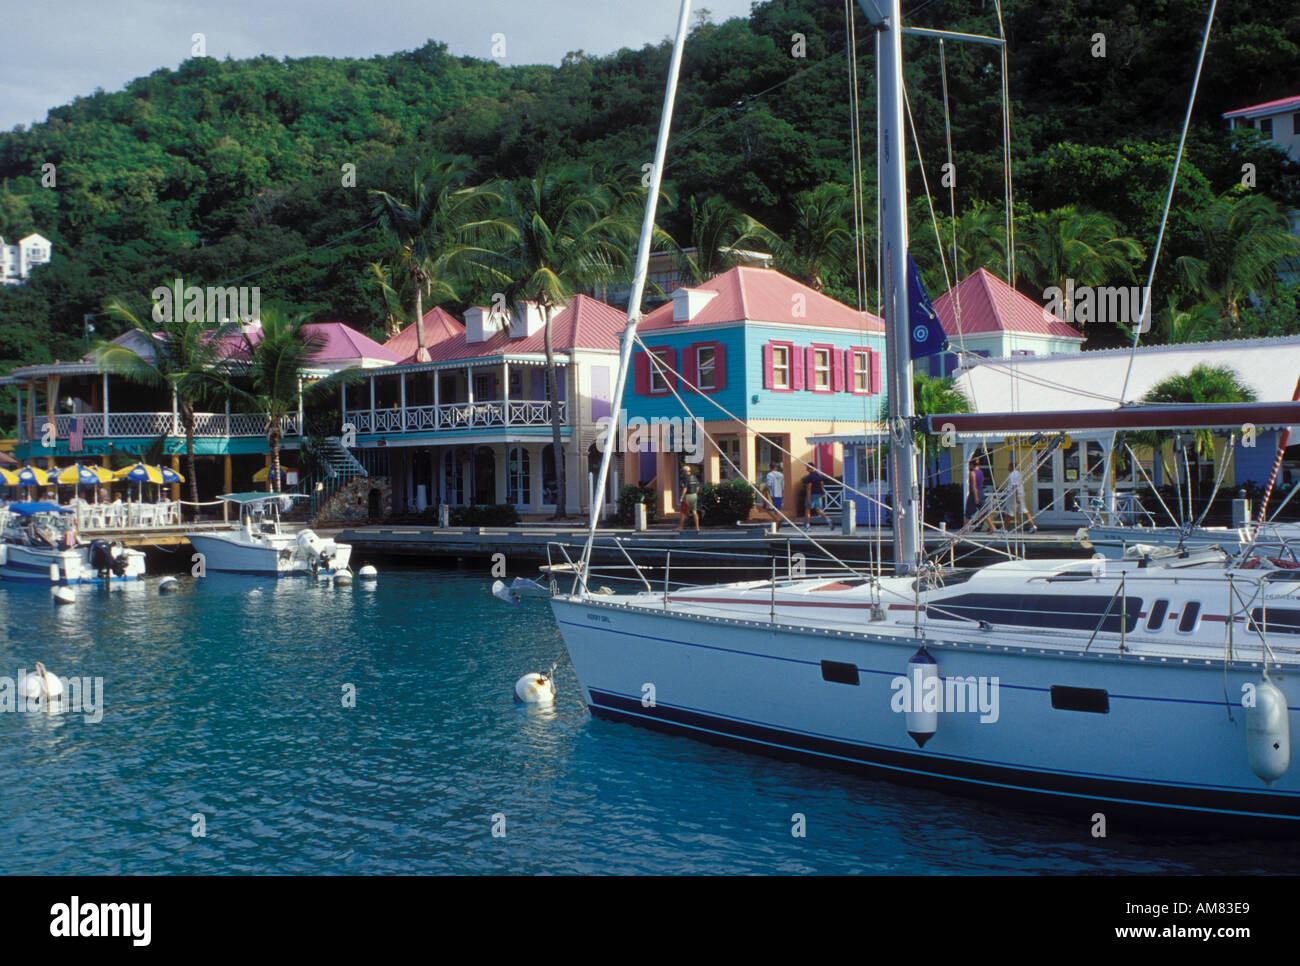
[[725, 504], [495, 515], [629, 497]]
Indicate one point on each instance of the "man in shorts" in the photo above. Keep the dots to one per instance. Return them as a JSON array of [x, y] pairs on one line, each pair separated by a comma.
[[775, 483], [815, 499]]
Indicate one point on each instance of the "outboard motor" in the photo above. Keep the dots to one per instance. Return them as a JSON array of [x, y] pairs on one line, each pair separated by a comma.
[[107, 558], [317, 552]]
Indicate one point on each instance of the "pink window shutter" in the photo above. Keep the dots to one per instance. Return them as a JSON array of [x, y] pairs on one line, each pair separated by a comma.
[[874, 386], [720, 365], [690, 363], [671, 360], [796, 367], [641, 374], [810, 380], [837, 370], [768, 379]]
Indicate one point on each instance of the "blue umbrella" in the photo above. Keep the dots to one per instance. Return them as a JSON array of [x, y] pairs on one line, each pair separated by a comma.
[[170, 476]]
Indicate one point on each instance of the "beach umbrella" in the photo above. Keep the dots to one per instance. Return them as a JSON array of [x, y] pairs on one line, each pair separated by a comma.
[[140, 473], [8, 477], [78, 476], [264, 474], [33, 476], [169, 475]]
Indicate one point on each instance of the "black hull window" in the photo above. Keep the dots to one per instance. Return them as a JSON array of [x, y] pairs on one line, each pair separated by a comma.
[[1076, 613], [1275, 620]]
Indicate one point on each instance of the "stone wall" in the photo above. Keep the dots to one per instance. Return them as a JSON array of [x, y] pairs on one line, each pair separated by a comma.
[[351, 504]]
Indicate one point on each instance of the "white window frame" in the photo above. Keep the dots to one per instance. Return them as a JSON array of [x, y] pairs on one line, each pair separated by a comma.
[[700, 368], [658, 378], [781, 371]]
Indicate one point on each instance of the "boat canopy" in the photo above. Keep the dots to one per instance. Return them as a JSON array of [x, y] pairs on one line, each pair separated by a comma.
[[259, 497], [33, 507]]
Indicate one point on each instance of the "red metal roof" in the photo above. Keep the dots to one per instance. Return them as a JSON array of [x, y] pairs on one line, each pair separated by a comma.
[[585, 323], [342, 343], [989, 304], [439, 325], [1267, 107], [749, 294]]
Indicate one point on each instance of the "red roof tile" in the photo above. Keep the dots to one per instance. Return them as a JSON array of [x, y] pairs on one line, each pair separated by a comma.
[[342, 343], [989, 304], [765, 295], [586, 323]]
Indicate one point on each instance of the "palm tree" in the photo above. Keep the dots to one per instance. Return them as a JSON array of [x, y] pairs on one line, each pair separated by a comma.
[[719, 231], [821, 237], [569, 233], [436, 230], [1203, 384], [1245, 240], [274, 377], [932, 396], [186, 357], [981, 240], [1067, 243]]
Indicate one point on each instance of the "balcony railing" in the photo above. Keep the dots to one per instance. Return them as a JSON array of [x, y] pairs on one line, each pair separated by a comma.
[[491, 414], [153, 425]]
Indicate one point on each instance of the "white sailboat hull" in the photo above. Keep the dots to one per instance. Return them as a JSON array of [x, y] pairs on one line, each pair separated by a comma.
[[1168, 739]]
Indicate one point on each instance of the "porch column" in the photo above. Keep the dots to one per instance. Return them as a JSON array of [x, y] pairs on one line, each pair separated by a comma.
[[372, 396], [503, 466], [300, 417], [505, 393], [105, 398], [401, 398], [749, 456], [228, 474], [19, 419], [437, 413], [176, 468], [176, 431], [712, 462]]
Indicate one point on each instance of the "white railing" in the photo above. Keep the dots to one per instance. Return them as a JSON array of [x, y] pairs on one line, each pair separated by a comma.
[[153, 425], [494, 413]]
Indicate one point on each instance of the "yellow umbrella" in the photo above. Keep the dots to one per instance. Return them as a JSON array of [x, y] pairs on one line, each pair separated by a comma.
[[262, 475], [79, 475], [33, 476], [8, 477], [140, 473]]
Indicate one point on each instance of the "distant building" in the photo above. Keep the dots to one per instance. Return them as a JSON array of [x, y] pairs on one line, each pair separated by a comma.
[[1277, 121], [17, 261]]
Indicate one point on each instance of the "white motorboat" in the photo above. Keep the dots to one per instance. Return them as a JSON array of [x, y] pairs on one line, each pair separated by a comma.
[[1158, 685], [39, 544], [258, 545]]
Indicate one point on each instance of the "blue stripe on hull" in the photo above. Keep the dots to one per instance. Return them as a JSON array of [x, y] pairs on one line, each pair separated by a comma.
[[1077, 797]]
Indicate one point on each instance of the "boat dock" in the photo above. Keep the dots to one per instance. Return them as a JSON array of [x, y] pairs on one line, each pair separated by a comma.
[[716, 547]]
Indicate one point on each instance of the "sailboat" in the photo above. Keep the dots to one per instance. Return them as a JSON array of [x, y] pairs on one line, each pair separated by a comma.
[[1158, 686]]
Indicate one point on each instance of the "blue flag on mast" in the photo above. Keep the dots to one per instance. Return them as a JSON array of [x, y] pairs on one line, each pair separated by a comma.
[[928, 336]]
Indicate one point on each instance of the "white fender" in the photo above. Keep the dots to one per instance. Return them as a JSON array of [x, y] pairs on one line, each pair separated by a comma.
[[922, 724], [1268, 732]]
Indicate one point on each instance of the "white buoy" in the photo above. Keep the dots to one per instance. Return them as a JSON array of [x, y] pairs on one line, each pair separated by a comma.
[[168, 585], [368, 573], [40, 688], [343, 578], [63, 595], [501, 592], [922, 724], [523, 587], [1268, 732], [535, 688]]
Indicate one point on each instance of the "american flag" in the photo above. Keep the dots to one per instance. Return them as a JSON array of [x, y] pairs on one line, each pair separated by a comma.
[[74, 437]]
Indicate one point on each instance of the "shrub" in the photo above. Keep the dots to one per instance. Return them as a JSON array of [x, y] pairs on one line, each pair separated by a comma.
[[725, 504], [496, 515], [631, 495]]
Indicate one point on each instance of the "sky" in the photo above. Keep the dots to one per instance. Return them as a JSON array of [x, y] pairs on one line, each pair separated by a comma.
[[54, 51]]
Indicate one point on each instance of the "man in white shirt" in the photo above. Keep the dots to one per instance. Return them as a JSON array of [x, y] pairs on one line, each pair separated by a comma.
[[1015, 500], [775, 483]]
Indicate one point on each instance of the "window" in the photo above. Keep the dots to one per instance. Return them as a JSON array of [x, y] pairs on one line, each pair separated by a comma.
[[1156, 619], [821, 370], [1266, 127], [518, 480], [550, 488], [705, 377], [780, 367], [1187, 623], [658, 377], [861, 372], [1295, 123], [729, 446], [484, 386]]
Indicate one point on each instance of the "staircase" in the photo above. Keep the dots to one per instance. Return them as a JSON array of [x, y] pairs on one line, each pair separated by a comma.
[[341, 468]]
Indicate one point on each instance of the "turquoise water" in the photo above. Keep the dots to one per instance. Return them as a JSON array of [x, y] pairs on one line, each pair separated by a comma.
[[225, 700]]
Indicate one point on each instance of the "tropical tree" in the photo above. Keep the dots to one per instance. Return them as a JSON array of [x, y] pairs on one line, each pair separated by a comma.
[[1245, 240], [568, 233], [1202, 384], [981, 240], [437, 230], [821, 237], [181, 354], [933, 396], [719, 233], [1070, 244], [273, 376]]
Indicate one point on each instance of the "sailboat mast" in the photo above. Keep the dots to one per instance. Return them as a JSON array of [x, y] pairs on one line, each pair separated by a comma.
[[886, 15], [638, 284]]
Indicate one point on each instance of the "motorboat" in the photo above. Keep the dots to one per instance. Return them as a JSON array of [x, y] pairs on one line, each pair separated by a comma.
[[39, 543], [257, 544]]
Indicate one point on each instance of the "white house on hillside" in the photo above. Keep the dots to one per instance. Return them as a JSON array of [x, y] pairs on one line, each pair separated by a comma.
[[17, 261], [1277, 121]]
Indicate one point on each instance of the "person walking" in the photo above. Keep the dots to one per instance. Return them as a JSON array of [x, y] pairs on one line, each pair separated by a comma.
[[688, 500], [775, 483], [974, 490], [814, 486]]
